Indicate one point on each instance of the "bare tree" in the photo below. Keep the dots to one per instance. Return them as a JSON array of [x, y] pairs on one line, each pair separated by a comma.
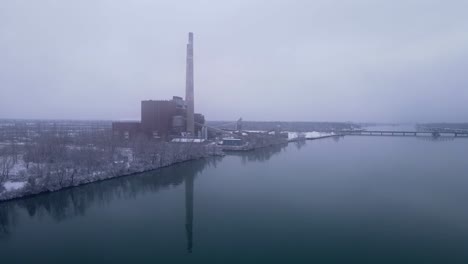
[[6, 164], [14, 150]]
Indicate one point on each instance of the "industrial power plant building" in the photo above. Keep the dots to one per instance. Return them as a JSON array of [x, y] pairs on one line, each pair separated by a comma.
[[165, 119]]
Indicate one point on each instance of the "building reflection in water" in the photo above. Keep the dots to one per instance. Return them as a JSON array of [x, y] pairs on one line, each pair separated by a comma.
[[261, 154], [299, 144], [73, 202], [189, 211]]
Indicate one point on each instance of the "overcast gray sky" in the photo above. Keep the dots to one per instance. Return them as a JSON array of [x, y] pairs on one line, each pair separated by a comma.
[[323, 60]]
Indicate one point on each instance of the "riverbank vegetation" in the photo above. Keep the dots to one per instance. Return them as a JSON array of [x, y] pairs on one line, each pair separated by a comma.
[[54, 159]]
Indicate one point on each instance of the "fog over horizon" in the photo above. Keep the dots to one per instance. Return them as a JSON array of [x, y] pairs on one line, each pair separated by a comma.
[[321, 60]]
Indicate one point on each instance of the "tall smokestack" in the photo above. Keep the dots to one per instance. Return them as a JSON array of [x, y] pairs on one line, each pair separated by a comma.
[[189, 94]]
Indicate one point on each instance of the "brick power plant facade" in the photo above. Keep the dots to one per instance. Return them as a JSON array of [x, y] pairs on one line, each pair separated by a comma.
[[165, 119]]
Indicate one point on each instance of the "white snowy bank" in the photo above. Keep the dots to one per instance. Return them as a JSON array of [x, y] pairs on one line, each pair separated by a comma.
[[13, 186], [315, 134], [309, 135]]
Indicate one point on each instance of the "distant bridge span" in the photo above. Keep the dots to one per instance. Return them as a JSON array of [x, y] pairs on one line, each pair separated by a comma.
[[404, 133]]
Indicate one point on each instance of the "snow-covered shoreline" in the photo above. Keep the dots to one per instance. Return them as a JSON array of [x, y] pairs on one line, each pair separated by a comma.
[[309, 135], [21, 189], [44, 167], [13, 186]]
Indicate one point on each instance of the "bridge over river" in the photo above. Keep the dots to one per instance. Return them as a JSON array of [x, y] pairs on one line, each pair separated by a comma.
[[406, 133]]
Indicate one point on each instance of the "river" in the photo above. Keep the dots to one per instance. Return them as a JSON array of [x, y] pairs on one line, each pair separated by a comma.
[[337, 200]]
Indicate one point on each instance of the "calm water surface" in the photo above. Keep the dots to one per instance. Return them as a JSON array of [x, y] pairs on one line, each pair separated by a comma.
[[347, 200]]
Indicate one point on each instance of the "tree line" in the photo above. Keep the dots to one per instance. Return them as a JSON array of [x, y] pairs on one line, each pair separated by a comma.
[[55, 159]]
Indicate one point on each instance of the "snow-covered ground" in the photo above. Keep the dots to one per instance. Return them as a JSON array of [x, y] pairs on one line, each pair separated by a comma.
[[18, 167], [309, 135], [188, 140], [294, 135], [255, 131], [13, 186], [315, 134]]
